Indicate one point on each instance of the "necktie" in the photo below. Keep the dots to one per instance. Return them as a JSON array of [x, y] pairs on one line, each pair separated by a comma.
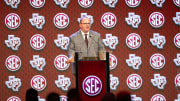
[[86, 40]]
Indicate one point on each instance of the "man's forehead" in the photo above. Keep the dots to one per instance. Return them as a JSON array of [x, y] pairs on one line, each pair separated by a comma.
[[85, 20]]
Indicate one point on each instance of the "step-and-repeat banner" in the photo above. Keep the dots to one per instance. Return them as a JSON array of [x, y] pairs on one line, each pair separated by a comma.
[[143, 35]]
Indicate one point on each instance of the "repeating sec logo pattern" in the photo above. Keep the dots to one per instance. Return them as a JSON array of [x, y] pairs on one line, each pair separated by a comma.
[[61, 20], [178, 97], [62, 41], [60, 62], [13, 63], [134, 61], [157, 61], [177, 60], [114, 82], [158, 40], [110, 3], [62, 3], [177, 80], [13, 83], [156, 19], [13, 98], [134, 98], [111, 41], [158, 3], [12, 3], [12, 21], [38, 62], [177, 2], [63, 82], [85, 3], [13, 42], [134, 81], [176, 40], [92, 85], [113, 60], [37, 20], [37, 3], [158, 97], [108, 20], [159, 81], [63, 98], [133, 3], [176, 19], [38, 42], [133, 41], [133, 19], [38, 83]]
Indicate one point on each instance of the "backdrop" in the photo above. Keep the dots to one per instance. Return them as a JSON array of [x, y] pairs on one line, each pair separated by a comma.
[[121, 30]]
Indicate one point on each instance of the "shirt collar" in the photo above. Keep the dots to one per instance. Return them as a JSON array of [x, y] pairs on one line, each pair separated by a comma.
[[84, 35]]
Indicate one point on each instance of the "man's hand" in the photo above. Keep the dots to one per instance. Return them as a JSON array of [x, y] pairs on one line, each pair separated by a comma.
[[70, 60]]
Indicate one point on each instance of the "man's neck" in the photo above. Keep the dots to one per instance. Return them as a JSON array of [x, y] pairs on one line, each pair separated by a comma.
[[84, 32]]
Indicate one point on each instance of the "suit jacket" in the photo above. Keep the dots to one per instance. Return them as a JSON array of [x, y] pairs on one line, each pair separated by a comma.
[[77, 44]]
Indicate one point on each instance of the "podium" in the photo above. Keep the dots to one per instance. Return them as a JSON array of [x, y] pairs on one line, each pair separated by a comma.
[[92, 78]]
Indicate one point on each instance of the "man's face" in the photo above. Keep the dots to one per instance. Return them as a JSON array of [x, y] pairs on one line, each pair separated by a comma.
[[85, 25]]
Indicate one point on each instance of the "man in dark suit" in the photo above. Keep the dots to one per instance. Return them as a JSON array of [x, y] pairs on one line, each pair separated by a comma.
[[85, 41]]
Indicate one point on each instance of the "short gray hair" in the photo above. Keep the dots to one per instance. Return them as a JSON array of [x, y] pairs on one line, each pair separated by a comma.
[[84, 17]]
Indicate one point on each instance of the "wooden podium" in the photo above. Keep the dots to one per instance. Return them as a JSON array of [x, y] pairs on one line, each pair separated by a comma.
[[92, 78]]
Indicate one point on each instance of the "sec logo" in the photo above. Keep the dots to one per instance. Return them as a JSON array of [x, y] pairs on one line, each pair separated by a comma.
[[37, 3], [133, 41], [108, 20], [38, 83], [12, 21], [176, 40], [158, 97], [113, 61], [177, 2], [61, 20], [177, 80], [38, 42], [13, 98], [133, 3], [92, 85], [85, 3], [60, 62], [157, 61], [134, 81], [156, 19], [13, 63]]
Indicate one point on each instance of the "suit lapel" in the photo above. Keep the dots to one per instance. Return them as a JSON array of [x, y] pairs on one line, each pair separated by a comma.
[[89, 40]]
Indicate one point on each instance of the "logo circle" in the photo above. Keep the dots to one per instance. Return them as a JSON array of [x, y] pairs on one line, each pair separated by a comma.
[[37, 3], [38, 83], [85, 3], [177, 80], [176, 40], [134, 81], [108, 20], [158, 96], [92, 85], [12, 21], [61, 20], [156, 19], [13, 98], [133, 3], [13, 63], [60, 62], [157, 61], [38, 42], [113, 61], [176, 3], [133, 41]]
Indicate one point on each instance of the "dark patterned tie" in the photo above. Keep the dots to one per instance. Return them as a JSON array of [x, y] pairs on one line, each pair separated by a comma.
[[86, 40]]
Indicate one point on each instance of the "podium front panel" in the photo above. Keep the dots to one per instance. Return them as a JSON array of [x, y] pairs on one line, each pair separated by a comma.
[[92, 80]]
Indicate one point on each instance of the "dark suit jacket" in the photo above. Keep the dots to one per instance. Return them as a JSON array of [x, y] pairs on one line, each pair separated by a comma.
[[77, 44]]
